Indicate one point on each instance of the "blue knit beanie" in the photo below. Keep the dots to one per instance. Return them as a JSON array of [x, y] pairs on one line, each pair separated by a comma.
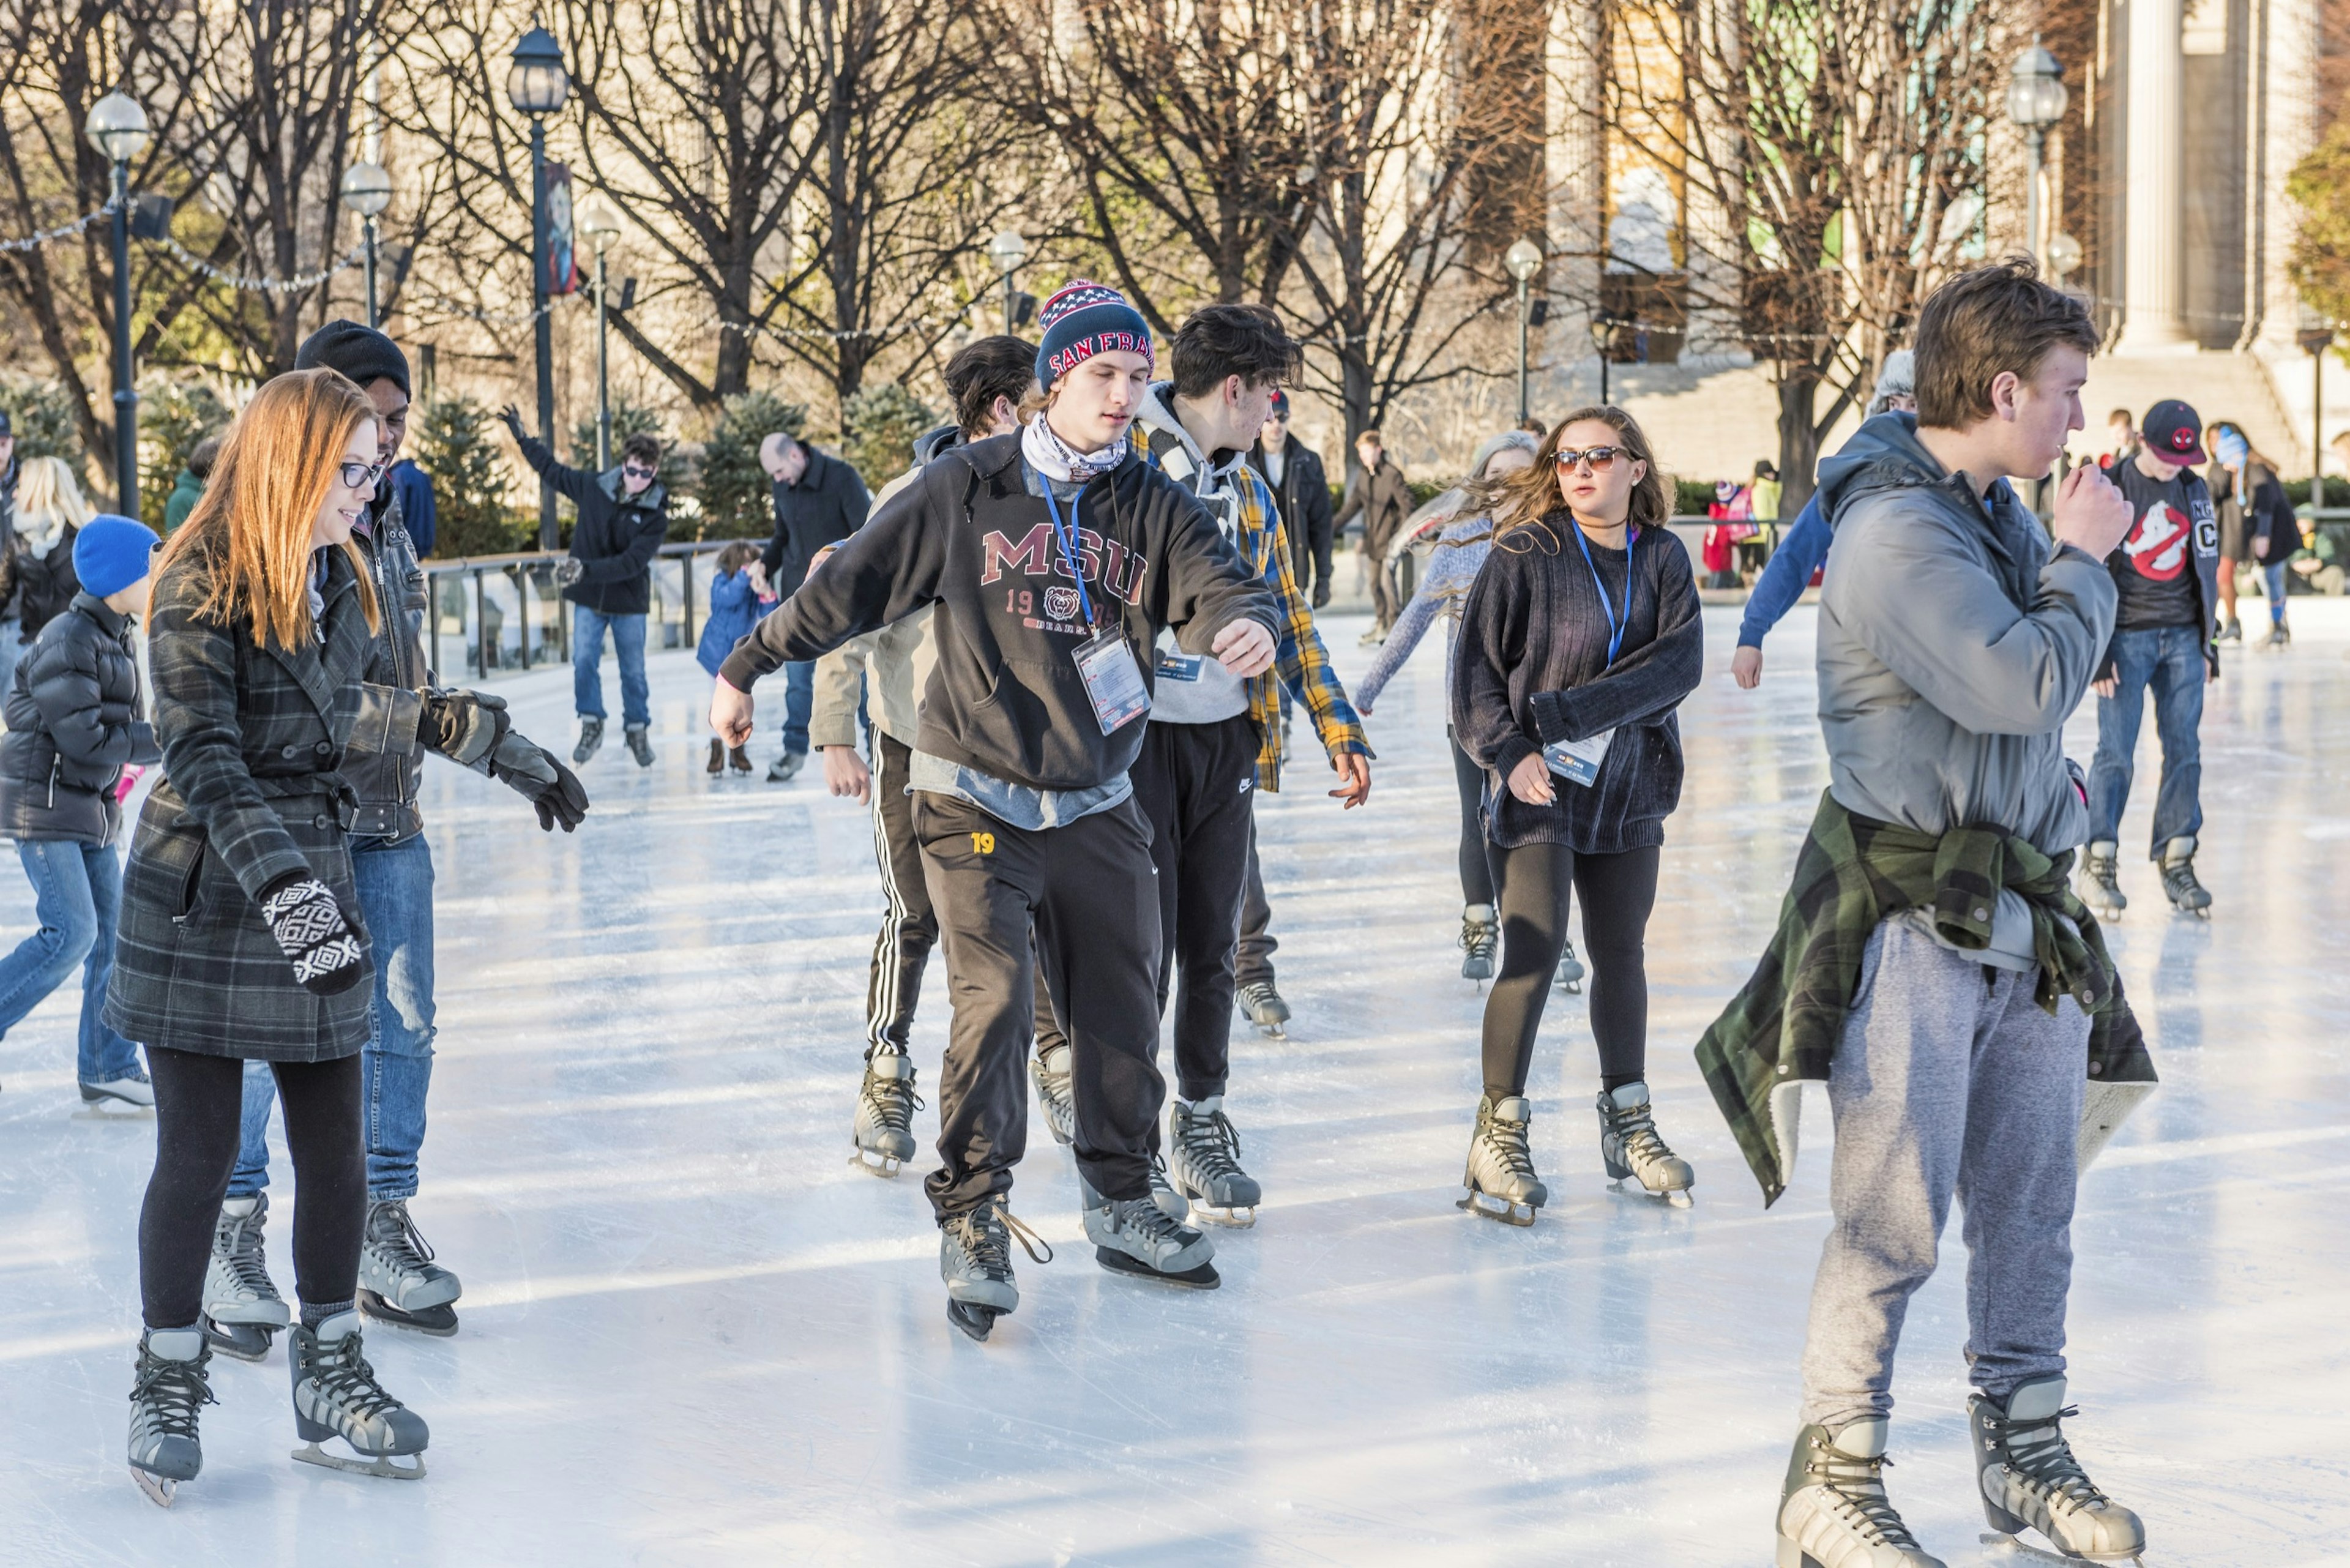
[[111, 554], [1085, 319]]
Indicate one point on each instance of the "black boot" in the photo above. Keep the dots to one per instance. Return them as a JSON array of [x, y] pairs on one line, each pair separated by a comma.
[[639, 747], [591, 735]]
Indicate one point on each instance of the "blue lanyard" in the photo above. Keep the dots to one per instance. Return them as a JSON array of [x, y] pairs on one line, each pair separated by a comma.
[[1068, 542], [1607, 605]]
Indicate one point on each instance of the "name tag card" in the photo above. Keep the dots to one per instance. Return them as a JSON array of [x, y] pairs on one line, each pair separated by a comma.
[[1577, 762], [1175, 665], [1113, 680]]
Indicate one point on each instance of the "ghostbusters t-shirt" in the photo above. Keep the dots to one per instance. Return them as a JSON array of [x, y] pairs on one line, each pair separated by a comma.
[[2154, 570]]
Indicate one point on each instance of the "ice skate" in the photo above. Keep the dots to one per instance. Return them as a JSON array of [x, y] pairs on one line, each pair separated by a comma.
[[2031, 1479], [399, 1282], [1570, 974], [1630, 1148], [336, 1396], [738, 759], [1203, 1158], [2178, 884], [129, 1094], [975, 1261], [591, 735], [883, 1130], [1050, 1068], [1162, 1192], [2232, 632], [1500, 1177], [1832, 1511], [2100, 880], [1264, 1007], [2280, 636], [786, 767], [639, 746], [243, 1310], [1135, 1236], [717, 757], [171, 1386], [1481, 936]]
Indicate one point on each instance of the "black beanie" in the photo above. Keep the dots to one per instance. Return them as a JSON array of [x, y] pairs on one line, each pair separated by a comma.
[[359, 351]]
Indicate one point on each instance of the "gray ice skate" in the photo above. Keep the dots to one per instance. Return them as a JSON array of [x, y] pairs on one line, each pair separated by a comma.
[[1051, 1071], [1569, 977], [1135, 1236], [2031, 1479], [1500, 1177], [591, 735], [1833, 1511], [2101, 886], [1203, 1158], [2178, 884], [1263, 1006], [243, 1310], [1630, 1148], [1481, 938], [1163, 1193], [399, 1282], [336, 1396], [975, 1261], [171, 1386], [883, 1130]]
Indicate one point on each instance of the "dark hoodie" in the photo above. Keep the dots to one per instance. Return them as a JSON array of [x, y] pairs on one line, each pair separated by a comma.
[[1006, 698], [617, 535]]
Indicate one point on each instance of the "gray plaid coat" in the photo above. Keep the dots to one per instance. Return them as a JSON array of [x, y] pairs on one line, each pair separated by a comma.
[[251, 738]]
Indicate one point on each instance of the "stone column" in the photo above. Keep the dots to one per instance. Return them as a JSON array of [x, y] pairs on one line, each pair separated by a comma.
[[2153, 289], [1577, 178]]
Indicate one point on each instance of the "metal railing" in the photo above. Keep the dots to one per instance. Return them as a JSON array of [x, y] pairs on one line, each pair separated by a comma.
[[506, 612]]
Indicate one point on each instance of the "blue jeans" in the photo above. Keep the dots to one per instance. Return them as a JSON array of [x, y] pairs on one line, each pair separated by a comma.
[[2168, 661], [587, 660], [2273, 580], [394, 878], [77, 895], [799, 701]]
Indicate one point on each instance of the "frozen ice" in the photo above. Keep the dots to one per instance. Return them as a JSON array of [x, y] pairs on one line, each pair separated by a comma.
[[693, 1334]]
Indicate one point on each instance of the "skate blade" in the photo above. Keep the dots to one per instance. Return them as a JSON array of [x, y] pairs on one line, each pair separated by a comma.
[[1239, 1217], [976, 1322], [1678, 1196], [440, 1322], [2010, 1546], [380, 1465], [873, 1162], [1485, 1206], [1204, 1278], [1273, 1030], [159, 1489], [114, 1111], [240, 1340]]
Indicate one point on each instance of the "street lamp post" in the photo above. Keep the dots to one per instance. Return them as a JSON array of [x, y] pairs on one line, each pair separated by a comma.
[[1524, 259], [1602, 338], [117, 130], [538, 85], [1008, 250], [367, 191], [2035, 101], [599, 221], [2315, 337]]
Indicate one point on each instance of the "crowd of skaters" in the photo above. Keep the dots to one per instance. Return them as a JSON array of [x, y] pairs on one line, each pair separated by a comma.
[[1071, 636]]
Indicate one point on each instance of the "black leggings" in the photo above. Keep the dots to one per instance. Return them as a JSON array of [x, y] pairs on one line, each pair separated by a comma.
[[198, 1105], [1617, 892], [1476, 871]]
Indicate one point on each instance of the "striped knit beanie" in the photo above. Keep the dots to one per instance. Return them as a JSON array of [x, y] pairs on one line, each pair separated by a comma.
[[1085, 319]]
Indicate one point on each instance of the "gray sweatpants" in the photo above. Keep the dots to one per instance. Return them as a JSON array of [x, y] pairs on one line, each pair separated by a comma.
[[1945, 1083]]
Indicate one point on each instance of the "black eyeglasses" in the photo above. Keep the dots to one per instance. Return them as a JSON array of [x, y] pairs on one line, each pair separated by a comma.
[[633, 471], [358, 475], [1600, 458]]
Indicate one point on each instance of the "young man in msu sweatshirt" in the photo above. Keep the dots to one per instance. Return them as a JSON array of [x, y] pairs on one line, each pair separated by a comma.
[[1054, 558]]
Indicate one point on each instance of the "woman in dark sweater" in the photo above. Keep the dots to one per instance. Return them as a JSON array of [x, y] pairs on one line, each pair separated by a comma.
[[1578, 641]]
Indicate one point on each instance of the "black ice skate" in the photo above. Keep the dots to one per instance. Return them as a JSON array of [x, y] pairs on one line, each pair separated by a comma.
[[1481, 938], [171, 1386], [883, 1129], [399, 1282], [1135, 1236], [2280, 636], [1570, 971], [1500, 1177], [1203, 1158], [336, 1396], [1833, 1511], [639, 746], [591, 735], [738, 760], [243, 1310], [717, 757], [1263, 1006], [2178, 884], [2031, 1479], [2101, 886], [975, 1261], [1630, 1148], [1051, 1070]]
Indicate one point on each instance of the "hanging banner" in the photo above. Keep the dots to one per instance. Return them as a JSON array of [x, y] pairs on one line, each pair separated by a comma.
[[562, 266]]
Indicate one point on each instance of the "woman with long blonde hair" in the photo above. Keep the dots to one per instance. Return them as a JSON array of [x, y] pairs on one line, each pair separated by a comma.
[[238, 937], [1578, 643], [50, 511]]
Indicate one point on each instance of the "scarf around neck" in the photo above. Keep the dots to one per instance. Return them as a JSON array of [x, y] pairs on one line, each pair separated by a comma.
[[1055, 459]]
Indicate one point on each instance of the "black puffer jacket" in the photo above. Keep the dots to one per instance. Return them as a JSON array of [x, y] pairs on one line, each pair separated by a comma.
[[46, 583], [75, 717]]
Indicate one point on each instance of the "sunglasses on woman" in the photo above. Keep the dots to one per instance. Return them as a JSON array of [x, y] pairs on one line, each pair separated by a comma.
[[1600, 458], [355, 475]]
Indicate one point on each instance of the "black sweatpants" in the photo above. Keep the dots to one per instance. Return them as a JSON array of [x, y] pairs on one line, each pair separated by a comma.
[[1197, 783], [199, 1104], [1617, 892], [1476, 870], [909, 927], [1086, 891]]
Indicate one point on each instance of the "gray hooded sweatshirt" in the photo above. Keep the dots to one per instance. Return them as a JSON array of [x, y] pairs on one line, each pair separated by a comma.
[[1954, 643]]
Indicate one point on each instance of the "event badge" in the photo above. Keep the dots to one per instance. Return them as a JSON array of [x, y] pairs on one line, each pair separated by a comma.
[[1112, 679], [1577, 762], [1175, 665]]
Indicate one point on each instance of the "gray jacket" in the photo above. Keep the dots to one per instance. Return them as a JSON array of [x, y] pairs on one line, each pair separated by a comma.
[[1953, 646]]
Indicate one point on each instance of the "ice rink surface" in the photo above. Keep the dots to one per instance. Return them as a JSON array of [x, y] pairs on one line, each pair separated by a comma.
[[693, 1334]]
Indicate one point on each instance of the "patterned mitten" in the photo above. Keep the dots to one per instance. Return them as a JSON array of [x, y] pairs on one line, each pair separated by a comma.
[[309, 925]]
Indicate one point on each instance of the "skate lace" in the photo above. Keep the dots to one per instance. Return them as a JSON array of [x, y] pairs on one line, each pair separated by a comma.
[[1478, 937], [1148, 1221], [1209, 1142], [1635, 1131], [2036, 1450], [398, 1239], [346, 1381], [173, 1391], [245, 1256], [892, 1101], [1507, 1140], [1858, 1487], [2178, 879], [989, 1245]]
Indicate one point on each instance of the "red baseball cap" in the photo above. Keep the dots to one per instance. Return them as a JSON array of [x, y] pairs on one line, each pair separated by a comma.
[[2172, 431]]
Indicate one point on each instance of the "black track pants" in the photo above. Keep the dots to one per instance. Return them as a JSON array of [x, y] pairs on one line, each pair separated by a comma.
[[909, 927], [199, 1105], [1087, 891], [1197, 783], [1617, 892]]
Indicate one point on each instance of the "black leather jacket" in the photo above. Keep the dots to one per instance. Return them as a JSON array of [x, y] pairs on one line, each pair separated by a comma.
[[385, 768]]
